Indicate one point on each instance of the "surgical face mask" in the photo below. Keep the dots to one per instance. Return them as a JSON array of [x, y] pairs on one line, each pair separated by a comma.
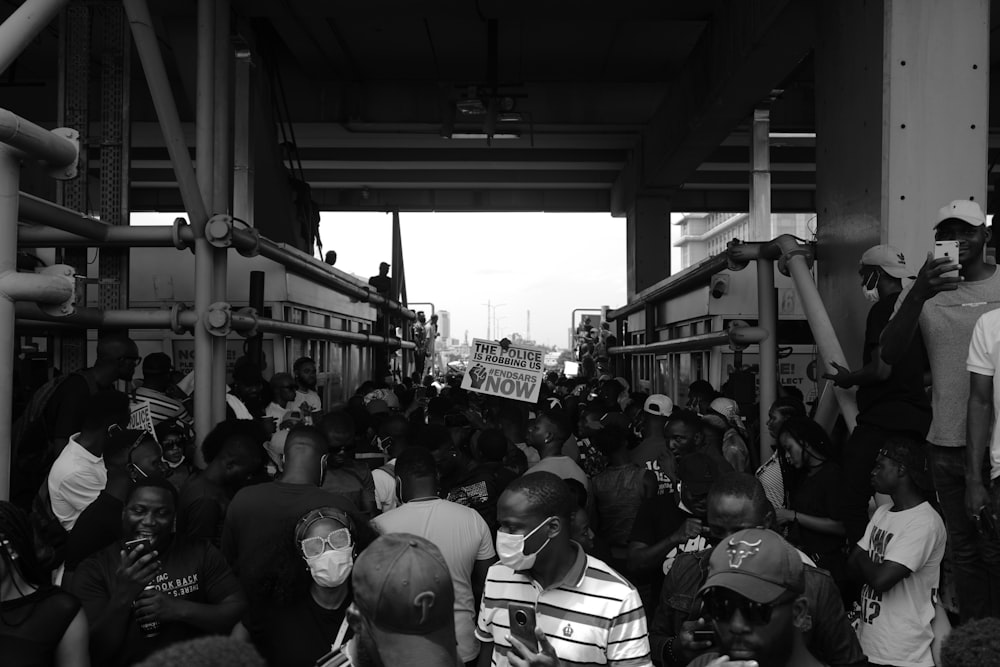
[[332, 567], [510, 549], [870, 287]]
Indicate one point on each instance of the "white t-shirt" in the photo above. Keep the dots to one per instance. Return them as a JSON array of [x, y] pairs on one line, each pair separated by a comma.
[[895, 627], [984, 358], [310, 398], [385, 488], [75, 480], [463, 538]]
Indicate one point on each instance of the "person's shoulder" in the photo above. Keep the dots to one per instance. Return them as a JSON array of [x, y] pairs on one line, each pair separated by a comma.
[[611, 582]]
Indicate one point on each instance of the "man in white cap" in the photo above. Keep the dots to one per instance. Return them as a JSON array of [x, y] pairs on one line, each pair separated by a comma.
[[652, 452], [945, 308], [891, 399]]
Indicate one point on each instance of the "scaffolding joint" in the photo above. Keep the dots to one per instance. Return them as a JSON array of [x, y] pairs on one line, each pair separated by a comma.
[[219, 231], [251, 330], [68, 171], [177, 311], [179, 230], [219, 319]]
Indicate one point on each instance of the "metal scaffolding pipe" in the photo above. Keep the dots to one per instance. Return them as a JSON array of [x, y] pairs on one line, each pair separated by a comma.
[[245, 322], [767, 318], [22, 26], [148, 49], [680, 283], [35, 287], [117, 236], [794, 257], [736, 335], [36, 142], [10, 173]]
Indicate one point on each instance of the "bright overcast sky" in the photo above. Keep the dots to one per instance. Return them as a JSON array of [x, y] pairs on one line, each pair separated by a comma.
[[548, 263]]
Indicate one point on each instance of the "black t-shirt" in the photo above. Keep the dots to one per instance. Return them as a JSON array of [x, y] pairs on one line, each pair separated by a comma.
[[900, 403], [32, 626], [99, 525], [201, 511], [297, 635], [478, 490], [820, 495], [193, 571], [263, 515], [658, 517]]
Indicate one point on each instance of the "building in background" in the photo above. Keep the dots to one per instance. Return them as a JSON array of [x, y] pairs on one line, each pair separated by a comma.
[[444, 324], [702, 235]]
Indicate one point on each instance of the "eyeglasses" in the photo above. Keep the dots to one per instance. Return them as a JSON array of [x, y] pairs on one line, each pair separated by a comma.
[[314, 546], [720, 606]]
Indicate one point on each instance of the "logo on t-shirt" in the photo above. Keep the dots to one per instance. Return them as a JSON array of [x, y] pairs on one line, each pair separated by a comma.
[[871, 600]]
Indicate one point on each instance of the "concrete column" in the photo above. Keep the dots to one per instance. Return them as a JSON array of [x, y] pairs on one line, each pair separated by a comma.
[[648, 242], [901, 121]]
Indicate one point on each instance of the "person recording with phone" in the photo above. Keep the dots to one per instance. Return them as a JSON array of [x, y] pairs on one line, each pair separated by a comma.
[[154, 588], [945, 309], [543, 569]]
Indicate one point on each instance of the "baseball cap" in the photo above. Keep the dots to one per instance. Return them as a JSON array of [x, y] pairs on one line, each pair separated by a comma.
[[888, 258], [157, 363], [757, 564], [961, 209], [912, 455], [728, 408], [403, 589], [697, 473], [658, 404]]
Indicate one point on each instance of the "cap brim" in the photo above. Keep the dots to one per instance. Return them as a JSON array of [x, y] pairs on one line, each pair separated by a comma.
[[975, 222], [897, 271], [433, 649], [746, 585]]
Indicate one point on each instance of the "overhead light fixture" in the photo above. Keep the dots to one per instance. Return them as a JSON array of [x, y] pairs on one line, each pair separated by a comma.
[[484, 135]]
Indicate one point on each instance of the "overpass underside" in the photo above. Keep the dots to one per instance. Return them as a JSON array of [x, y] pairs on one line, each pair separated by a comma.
[[878, 113]]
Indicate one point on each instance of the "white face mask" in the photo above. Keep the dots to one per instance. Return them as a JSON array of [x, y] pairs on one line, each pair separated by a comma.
[[871, 293], [510, 549], [332, 567]]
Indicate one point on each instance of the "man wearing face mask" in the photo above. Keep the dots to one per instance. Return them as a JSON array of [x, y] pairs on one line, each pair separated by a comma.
[[259, 515], [458, 531], [585, 612], [891, 399]]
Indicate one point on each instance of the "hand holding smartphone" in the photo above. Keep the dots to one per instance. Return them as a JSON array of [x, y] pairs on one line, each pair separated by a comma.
[[522, 624], [145, 542], [949, 250]]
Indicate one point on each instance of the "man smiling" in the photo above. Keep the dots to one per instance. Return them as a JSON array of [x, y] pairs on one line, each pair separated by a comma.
[[184, 589]]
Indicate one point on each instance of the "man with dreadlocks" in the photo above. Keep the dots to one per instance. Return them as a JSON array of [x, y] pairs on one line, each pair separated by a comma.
[[40, 624]]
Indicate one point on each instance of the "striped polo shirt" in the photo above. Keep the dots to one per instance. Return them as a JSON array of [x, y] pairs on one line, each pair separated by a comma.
[[592, 617], [162, 407]]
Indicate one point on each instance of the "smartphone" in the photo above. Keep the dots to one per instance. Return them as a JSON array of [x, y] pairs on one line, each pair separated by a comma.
[[132, 545], [947, 249], [522, 624]]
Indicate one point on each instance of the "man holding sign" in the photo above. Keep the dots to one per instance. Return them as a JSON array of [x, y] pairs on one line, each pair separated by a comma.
[[506, 370]]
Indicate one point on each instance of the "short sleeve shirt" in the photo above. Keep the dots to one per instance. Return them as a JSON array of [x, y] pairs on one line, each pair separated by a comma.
[[463, 538], [193, 571], [984, 357], [895, 626]]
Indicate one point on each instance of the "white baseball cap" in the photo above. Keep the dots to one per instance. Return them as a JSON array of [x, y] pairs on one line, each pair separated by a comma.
[[964, 210], [658, 404], [887, 258]]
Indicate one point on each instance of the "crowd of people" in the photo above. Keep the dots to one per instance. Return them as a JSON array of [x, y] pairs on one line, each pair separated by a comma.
[[422, 524]]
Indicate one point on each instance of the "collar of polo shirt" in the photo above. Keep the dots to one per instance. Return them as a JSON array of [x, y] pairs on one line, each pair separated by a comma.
[[575, 574]]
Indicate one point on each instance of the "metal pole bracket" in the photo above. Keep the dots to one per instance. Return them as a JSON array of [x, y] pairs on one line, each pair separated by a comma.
[[176, 312], [219, 230], [179, 225], [803, 251], [67, 273], [66, 172], [218, 319], [253, 330]]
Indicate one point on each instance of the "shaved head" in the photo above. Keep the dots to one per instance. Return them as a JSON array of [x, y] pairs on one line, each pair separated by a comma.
[[304, 444], [114, 347]]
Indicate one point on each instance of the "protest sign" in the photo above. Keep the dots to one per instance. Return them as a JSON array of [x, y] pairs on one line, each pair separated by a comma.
[[516, 372], [140, 417]]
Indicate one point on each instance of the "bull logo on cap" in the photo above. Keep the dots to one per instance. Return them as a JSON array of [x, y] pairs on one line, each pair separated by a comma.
[[739, 551]]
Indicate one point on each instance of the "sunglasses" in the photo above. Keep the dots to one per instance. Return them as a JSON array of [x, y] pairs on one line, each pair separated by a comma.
[[720, 606], [314, 546]]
